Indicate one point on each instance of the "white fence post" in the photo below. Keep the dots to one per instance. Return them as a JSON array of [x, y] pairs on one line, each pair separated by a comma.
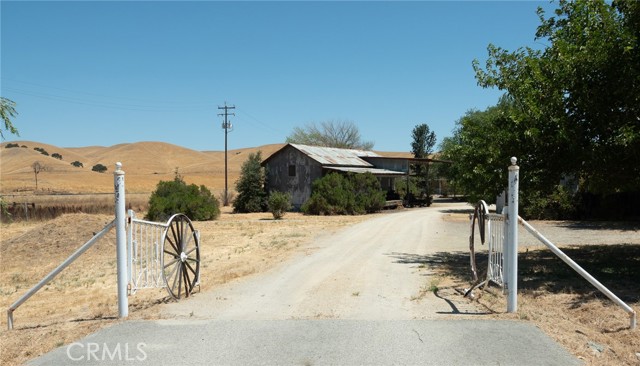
[[511, 262], [121, 241]]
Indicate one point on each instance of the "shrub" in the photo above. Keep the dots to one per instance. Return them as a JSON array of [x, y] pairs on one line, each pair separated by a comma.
[[5, 215], [279, 203], [369, 197], [172, 197], [99, 168], [336, 194], [41, 151], [250, 186], [57, 156], [10, 145], [560, 204], [331, 195], [77, 164]]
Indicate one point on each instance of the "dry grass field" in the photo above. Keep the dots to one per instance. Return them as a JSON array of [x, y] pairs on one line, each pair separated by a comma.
[[83, 297]]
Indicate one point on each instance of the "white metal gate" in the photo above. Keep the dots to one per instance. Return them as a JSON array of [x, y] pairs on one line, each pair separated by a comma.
[[494, 225], [163, 255], [497, 234]]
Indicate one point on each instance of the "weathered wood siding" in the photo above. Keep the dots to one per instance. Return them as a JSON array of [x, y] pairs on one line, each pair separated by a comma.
[[299, 186]]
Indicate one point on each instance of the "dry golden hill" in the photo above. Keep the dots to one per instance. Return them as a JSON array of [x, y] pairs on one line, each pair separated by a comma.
[[145, 164]]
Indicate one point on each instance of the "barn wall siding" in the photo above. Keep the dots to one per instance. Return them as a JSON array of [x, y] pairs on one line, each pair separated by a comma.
[[299, 186]]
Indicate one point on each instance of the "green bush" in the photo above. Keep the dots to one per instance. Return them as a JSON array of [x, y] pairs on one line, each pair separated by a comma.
[[41, 151], [279, 203], [331, 195], [99, 168], [57, 156], [11, 145], [559, 205], [250, 186], [77, 164], [172, 197], [336, 194], [369, 197]]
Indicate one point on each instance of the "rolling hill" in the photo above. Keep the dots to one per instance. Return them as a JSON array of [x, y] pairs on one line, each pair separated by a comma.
[[145, 164]]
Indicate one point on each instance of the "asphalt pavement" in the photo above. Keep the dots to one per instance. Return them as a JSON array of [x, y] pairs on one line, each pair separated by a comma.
[[313, 342]]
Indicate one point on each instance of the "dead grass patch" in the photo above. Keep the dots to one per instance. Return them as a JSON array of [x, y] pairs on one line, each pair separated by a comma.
[[561, 303], [83, 298]]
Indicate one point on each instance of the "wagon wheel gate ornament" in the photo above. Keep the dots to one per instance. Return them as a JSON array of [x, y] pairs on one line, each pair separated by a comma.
[[180, 257], [479, 214]]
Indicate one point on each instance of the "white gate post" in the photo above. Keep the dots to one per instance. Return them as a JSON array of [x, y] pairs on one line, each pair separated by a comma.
[[511, 265], [121, 241]]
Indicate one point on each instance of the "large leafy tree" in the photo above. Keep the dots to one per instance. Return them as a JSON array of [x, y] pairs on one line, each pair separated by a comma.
[[577, 102], [421, 146], [480, 148], [340, 134]]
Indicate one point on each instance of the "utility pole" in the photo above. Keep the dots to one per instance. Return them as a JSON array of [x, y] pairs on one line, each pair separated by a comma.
[[226, 125]]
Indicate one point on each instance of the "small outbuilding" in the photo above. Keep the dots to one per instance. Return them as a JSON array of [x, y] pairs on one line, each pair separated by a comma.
[[294, 167]]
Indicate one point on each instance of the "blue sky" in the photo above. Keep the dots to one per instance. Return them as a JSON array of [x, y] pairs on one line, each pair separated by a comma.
[[104, 73]]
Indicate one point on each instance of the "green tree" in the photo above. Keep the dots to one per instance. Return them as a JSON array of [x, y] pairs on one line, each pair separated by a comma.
[[422, 145], [250, 186], [479, 150], [41, 151], [578, 99], [99, 168], [340, 134], [77, 164], [172, 197], [7, 112], [57, 156]]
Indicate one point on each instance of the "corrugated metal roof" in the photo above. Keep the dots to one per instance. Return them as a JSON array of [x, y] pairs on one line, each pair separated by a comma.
[[335, 156], [374, 171]]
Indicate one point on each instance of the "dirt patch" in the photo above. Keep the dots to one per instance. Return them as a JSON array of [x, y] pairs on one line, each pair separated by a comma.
[[83, 298]]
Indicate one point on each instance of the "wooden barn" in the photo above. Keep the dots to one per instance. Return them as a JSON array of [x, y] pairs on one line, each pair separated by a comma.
[[293, 168]]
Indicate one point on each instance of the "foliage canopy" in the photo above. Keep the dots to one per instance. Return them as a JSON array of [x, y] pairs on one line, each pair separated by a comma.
[[172, 197], [337, 194], [99, 168], [250, 186], [340, 134], [570, 113], [421, 146], [7, 112]]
